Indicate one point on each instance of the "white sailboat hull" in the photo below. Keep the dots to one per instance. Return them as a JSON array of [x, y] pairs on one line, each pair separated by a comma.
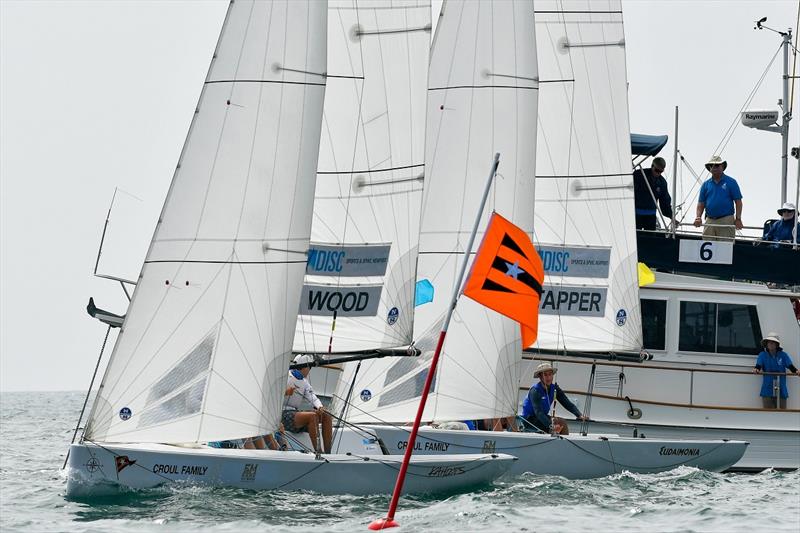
[[774, 435], [573, 456], [109, 468]]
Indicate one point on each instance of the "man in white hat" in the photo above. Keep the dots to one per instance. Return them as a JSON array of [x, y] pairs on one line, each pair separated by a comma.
[[721, 200], [774, 361], [785, 228], [298, 388], [540, 399]]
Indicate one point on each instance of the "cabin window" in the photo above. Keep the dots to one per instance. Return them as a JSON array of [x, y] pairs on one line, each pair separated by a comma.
[[654, 324], [738, 330], [720, 328]]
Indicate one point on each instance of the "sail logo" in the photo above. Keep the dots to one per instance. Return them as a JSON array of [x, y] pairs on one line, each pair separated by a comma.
[[622, 316], [568, 300], [347, 260], [125, 413], [366, 395], [391, 318], [344, 300], [573, 261]]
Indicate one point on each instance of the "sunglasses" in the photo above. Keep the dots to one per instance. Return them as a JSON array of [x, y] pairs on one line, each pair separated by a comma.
[[715, 165], [659, 170]]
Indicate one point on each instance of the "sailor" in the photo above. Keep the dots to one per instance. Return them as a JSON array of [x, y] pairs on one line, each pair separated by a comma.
[[649, 183], [774, 361], [783, 229], [539, 401], [721, 199], [298, 389]]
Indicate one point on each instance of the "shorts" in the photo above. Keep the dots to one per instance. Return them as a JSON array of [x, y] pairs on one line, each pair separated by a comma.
[[288, 421]]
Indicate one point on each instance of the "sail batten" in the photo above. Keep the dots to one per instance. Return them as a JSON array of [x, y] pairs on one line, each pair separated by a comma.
[[206, 341]]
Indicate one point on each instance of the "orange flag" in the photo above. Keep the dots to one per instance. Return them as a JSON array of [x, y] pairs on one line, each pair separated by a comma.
[[507, 276]]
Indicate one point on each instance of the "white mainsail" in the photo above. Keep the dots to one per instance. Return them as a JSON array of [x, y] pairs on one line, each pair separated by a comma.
[[585, 228], [362, 260], [482, 97], [203, 352]]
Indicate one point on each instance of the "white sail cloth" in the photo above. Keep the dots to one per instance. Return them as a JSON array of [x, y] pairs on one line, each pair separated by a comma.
[[585, 228], [482, 96], [204, 349], [362, 262]]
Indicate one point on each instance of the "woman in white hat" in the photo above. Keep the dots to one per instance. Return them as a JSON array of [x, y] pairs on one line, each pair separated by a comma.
[[299, 388], [539, 402], [774, 362], [783, 229]]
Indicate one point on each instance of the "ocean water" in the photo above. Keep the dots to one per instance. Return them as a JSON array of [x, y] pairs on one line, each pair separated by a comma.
[[35, 429]]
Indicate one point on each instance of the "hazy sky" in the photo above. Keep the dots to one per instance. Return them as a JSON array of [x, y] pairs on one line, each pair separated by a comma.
[[97, 95]]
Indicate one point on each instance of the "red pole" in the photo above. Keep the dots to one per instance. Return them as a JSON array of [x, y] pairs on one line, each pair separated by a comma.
[[385, 523]]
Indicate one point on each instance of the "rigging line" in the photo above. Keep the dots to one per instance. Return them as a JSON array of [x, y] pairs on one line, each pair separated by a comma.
[[511, 76], [735, 122], [624, 465], [564, 12], [370, 171], [222, 262], [301, 476], [278, 67]]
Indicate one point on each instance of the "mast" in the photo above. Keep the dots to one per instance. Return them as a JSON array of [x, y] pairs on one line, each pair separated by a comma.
[[675, 175], [786, 105]]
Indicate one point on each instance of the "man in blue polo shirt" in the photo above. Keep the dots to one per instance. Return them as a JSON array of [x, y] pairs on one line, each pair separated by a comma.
[[721, 199]]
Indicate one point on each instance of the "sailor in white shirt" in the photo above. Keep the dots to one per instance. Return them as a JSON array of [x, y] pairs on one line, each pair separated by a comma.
[[299, 388]]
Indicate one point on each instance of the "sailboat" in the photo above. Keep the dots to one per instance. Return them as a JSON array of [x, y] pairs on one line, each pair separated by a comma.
[[204, 348], [483, 98]]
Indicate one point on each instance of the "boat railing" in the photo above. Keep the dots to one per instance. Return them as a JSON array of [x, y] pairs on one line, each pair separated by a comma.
[[696, 382], [685, 229]]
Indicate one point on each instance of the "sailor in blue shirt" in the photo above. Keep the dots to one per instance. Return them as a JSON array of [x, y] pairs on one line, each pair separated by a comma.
[[774, 361], [539, 401], [783, 229], [721, 200]]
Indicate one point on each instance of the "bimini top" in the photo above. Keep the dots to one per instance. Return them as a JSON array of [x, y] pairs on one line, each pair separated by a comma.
[[650, 145]]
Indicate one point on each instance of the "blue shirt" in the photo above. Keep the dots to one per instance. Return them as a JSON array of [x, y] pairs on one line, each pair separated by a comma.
[[539, 400], [782, 231], [774, 363], [718, 198]]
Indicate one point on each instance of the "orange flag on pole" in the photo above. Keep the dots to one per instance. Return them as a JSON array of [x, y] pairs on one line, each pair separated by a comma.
[[507, 276]]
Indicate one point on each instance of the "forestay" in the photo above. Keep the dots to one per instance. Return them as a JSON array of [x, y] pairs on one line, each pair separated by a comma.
[[482, 94], [585, 228], [362, 261], [204, 349]]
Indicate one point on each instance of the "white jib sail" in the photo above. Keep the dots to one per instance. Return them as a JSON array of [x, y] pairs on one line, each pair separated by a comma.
[[204, 349], [482, 98], [363, 254], [585, 228]]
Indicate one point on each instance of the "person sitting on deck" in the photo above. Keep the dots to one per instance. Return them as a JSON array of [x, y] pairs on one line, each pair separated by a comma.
[[541, 396], [783, 229], [649, 187], [774, 360], [295, 420]]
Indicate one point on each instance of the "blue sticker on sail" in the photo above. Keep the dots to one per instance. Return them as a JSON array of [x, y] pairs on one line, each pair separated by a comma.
[[125, 413], [391, 318], [622, 316], [424, 292], [366, 395]]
